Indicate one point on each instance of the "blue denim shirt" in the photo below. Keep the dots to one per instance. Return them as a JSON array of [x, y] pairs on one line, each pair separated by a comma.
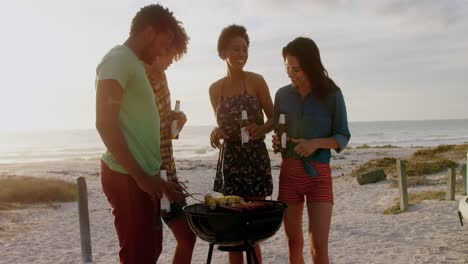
[[310, 118]]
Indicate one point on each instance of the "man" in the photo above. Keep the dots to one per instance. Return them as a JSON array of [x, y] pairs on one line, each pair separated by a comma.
[[128, 122]]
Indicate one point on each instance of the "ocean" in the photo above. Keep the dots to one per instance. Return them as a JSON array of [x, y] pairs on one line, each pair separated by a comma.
[[25, 147]]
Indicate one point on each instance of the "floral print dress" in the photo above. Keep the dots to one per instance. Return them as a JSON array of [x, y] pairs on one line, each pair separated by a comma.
[[243, 169]]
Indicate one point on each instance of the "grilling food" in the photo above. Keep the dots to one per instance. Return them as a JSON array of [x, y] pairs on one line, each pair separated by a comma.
[[213, 202], [235, 204], [252, 206], [232, 199]]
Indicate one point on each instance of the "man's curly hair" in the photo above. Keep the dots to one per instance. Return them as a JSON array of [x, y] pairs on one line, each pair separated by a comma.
[[161, 20], [156, 16], [180, 42]]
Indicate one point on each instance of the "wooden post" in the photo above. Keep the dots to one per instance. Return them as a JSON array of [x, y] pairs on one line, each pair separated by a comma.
[[450, 184], [464, 174], [85, 232], [465, 177], [402, 184]]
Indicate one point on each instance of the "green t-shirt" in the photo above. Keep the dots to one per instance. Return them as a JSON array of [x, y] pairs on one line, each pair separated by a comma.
[[138, 116]]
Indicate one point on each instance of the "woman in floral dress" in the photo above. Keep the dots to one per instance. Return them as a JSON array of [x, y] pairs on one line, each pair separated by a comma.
[[243, 169]]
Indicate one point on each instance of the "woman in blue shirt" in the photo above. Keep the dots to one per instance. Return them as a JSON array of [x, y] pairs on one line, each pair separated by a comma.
[[316, 122]]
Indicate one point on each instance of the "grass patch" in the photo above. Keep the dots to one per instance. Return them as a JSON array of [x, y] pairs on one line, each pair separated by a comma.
[[394, 209], [415, 181], [426, 195], [384, 163], [432, 152], [415, 168], [30, 190], [414, 198], [422, 162], [454, 152], [365, 146], [10, 206], [387, 146]]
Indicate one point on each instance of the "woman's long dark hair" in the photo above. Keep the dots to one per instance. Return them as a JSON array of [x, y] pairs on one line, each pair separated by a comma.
[[308, 55]]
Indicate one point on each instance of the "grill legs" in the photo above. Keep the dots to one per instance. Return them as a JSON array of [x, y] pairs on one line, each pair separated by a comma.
[[247, 247], [250, 252], [210, 253]]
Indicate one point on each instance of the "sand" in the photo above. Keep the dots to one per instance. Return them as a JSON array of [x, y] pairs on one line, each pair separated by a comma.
[[429, 232]]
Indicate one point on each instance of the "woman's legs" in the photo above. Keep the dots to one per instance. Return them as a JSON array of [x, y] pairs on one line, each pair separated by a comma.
[[238, 257], [319, 227], [185, 241], [293, 228], [294, 184]]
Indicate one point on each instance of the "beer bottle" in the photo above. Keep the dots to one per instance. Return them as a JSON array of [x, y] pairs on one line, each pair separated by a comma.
[[282, 134], [244, 124], [174, 130], [165, 203]]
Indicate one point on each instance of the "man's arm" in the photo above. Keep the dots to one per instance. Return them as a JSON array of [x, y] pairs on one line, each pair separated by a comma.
[[108, 99]]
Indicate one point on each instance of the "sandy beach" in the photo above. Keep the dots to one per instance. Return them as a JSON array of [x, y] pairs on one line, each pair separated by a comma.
[[429, 232]]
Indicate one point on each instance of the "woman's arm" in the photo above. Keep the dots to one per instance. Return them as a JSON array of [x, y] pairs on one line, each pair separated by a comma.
[[305, 147], [214, 97], [340, 132], [340, 129], [217, 133]]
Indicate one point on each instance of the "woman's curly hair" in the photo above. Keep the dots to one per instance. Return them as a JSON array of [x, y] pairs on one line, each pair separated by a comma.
[[229, 33]]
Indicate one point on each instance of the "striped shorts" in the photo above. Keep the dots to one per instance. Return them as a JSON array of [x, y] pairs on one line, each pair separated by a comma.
[[295, 184]]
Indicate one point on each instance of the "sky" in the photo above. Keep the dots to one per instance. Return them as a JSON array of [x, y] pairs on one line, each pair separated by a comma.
[[393, 60]]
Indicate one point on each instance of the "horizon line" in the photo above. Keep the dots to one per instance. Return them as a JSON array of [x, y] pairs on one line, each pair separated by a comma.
[[212, 125]]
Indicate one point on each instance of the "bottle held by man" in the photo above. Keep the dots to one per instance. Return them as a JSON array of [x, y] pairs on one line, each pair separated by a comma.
[[244, 124], [174, 129], [282, 134], [165, 203]]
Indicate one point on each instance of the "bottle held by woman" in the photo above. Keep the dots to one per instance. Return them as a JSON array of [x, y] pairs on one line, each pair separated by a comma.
[[282, 133], [244, 126]]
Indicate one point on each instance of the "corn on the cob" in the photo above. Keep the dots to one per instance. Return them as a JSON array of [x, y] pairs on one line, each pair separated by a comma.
[[233, 199], [221, 200], [212, 202]]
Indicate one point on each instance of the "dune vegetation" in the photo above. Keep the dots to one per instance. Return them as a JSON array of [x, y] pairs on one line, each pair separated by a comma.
[[19, 191]]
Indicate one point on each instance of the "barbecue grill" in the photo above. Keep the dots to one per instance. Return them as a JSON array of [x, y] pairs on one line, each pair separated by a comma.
[[235, 231]]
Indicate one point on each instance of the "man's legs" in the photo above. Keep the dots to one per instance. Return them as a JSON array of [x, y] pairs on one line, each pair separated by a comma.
[[136, 220]]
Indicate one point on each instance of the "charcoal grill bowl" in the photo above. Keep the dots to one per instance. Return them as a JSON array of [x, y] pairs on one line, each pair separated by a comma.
[[234, 228]]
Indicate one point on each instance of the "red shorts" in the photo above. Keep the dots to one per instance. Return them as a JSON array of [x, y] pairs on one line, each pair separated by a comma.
[[135, 218], [294, 183]]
